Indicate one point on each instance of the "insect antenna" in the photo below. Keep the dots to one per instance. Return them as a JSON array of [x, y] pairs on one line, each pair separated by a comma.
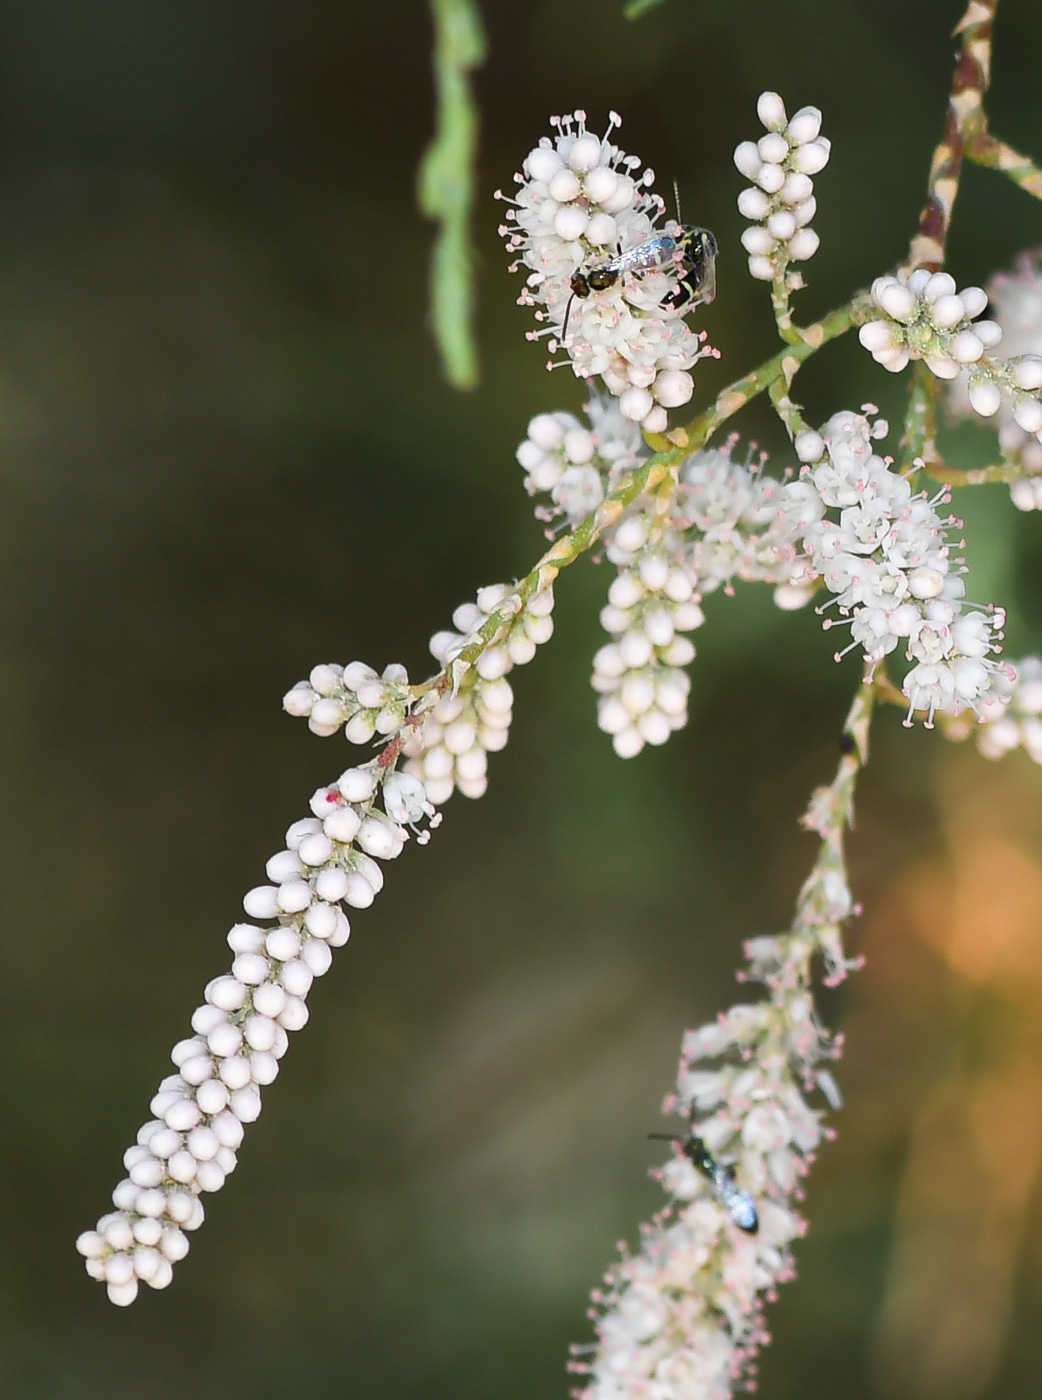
[[564, 323], [676, 200]]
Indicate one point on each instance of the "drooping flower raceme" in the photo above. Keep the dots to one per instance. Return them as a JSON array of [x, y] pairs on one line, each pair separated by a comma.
[[883, 553], [331, 860], [780, 201], [241, 1029], [580, 200], [723, 521], [682, 1318], [650, 605]]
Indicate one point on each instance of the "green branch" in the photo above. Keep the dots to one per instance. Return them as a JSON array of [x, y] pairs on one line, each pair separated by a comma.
[[780, 369], [918, 448]]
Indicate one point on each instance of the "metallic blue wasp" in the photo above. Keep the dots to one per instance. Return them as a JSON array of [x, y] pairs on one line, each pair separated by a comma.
[[738, 1203]]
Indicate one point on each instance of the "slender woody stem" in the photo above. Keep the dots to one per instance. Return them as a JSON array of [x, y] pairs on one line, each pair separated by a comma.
[[965, 121], [780, 301], [918, 448], [988, 150]]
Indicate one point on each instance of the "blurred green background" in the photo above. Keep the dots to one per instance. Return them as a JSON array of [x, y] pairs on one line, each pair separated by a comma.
[[227, 454]]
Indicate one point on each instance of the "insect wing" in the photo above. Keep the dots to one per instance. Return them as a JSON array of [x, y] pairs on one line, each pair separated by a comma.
[[643, 256], [700, 249], [653, 252]]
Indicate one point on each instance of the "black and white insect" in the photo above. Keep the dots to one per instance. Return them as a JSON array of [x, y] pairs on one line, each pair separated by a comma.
[[691, 252], [738, 1203]]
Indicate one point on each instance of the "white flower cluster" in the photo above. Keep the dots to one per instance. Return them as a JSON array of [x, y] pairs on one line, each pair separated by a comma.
[[650, 603], [928, 319], [450, 748], [576, 464], [1011, 717], [579, 201], [885, 556], [736, 523], [682, 1319], [241, 1030], [780, 202], [353, 696]]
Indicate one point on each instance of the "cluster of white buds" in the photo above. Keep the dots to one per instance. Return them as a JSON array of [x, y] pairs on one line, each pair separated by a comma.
[[241, 1030], [1011, 718], [578, 464], [650, 603], [780, 202], [886, 558], [1016, 298], [1016, 303], [353, 696], [579, 203], [449, 748], [926, 318]]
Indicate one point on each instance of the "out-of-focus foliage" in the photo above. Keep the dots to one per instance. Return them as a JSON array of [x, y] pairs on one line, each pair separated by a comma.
[[446, 185], [228, 453], [636, 8]]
